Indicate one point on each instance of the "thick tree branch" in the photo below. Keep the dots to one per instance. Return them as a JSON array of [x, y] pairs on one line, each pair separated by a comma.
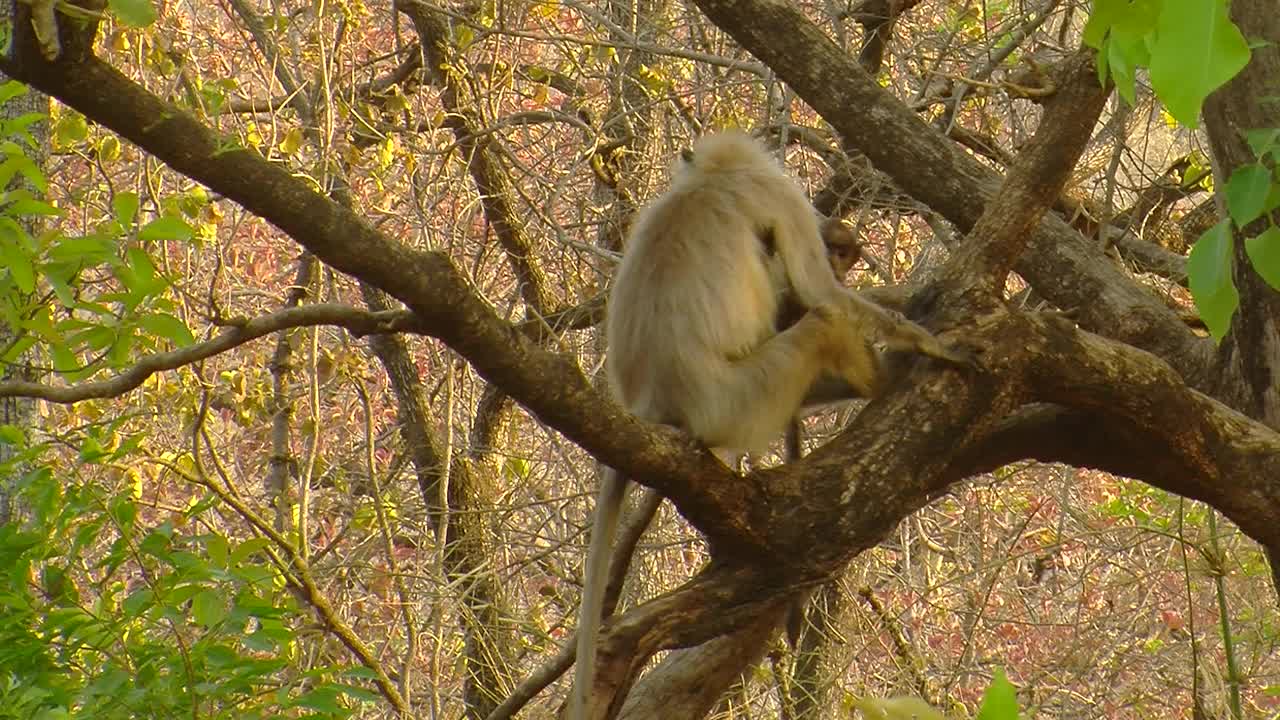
[[856, 493]]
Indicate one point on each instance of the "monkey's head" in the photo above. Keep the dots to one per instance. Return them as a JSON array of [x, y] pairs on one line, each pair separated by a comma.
[[843, 248], [723, 152]]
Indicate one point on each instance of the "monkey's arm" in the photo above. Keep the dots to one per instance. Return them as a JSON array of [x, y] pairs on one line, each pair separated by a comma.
[[804, 254], [828, 389]]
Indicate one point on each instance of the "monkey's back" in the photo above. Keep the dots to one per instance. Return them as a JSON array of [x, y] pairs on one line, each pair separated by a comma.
[[697, 288]]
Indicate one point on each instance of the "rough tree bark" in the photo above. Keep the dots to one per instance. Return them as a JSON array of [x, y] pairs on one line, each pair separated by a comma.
[[1250, 354]]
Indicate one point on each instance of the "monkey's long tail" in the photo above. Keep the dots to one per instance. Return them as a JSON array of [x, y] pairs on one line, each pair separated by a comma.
[[613, 488]]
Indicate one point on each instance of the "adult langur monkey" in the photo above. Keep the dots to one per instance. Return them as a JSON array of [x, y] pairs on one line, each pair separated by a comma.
[[692, 340]]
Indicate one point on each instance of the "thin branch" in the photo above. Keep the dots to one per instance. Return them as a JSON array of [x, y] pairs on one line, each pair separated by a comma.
[[359, 322]]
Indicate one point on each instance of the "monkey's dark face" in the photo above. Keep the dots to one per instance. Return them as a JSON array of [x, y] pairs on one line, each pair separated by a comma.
[[842, 258], [842, 246]]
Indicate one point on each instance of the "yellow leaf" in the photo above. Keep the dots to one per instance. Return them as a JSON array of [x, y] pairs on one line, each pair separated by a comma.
[[108, 148], [540, 95], [135, 483], [899, 708], [291, 142], [397, 103], [464, 37]]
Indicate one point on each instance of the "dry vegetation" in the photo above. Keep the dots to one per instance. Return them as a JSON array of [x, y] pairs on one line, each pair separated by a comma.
[[1101, 597]]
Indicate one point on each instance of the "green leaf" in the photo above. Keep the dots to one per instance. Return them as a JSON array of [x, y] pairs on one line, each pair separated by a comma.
[[1123, 56], [259, 642], [1247, 193], [1210, 281], [137, 275], [1128, 27], [896, 708], [11, 90], [137, 13], [83, 251], [11, 435], [21, 165], [292, 142], [19, 265], [1273, 198], [218, 549], [208, 608], [119, 354], [166, 228], [19, 127], [1263, 141], [30, 206], [97, 338], [15, 351], [91, 450], [1000, 701], [357, 693], [1264, 252], [169, 327], [137, 602], [125, 207], [1104, 15], [146, 281], [323, 698], [247, 548], [70, 129], [64, 361], [1197, 49], [362, 672]]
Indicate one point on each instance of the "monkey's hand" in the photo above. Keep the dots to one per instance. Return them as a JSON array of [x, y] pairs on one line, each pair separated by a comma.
[[897, 332], [960, 349]]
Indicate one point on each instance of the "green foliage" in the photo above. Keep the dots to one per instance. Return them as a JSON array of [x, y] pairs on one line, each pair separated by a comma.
[[1264, 252], [1252, 193], [106, 614], [897, 708], [1192, 48], [108, 608], [92, 301], [1209, 276], [137, 13], [1000, 701], [1197, 49]]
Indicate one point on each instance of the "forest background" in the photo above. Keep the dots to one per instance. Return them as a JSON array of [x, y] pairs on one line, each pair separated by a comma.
[[300, 412]]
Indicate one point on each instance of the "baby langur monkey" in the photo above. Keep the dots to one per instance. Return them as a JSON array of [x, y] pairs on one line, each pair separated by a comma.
[[843, 249], [692, 334], [843, 252]]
